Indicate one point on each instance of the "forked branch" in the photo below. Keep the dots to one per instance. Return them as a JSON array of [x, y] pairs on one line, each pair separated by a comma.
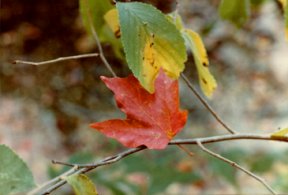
[[84, 168], [234, 164]]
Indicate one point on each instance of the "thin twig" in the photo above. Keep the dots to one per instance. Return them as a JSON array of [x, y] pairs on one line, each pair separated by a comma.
[[185, 150], [207, 106], [60, 59], [193, 141], [234, 164], [54, 187], [56, 179], [108, 160], [84, 169], [96, 37]]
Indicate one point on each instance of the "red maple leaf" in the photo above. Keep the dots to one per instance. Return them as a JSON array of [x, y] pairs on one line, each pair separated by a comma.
[[152, 119]]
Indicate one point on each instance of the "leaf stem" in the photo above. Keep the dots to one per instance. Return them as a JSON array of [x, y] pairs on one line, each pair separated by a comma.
[[206, 105], [96, 37]]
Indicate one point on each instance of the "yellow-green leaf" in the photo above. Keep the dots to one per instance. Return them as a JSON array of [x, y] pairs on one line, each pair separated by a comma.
[[207, 82], [112, 19], [150, 42], [283, 3], [236, 11], [176, 19], [82, 185], [92, 13], [283, 133]]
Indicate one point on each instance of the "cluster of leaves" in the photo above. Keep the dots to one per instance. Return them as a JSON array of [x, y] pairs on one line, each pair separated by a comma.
[[154, 47], [155, 42]]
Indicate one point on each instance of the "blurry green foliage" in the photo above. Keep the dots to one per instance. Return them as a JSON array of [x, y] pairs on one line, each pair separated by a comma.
[[222, 169], [263, 163], [235, 11]]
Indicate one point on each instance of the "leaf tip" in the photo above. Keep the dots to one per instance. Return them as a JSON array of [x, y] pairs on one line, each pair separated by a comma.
[[94, 125]]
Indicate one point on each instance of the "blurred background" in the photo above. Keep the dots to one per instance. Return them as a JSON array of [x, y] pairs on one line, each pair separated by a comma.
[[45, 111]]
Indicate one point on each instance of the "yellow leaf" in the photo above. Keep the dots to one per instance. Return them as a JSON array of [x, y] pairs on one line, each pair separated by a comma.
[[283, 2], [112, 19], [283, 133], [81, 184], [207, 82], [150, 64], [156, 57]]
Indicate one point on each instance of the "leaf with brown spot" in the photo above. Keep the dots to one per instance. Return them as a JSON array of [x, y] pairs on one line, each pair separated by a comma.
[[207, 82], [112, 19], [151, 41], [152, 119]]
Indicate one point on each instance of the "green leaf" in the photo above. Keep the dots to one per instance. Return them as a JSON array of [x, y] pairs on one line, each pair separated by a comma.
[[93, 11], [151, 42], [15, 176], [283, 133], [81, 184], [207, 82], [235, 11]]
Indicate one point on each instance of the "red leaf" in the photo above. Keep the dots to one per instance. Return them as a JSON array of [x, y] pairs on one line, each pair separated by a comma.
[[152, 119]]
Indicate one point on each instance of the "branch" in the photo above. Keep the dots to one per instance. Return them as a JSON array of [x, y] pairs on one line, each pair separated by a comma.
[[84, 168], [56, 179], [207, 106], [96, 37], [233, 164], [60, 59]]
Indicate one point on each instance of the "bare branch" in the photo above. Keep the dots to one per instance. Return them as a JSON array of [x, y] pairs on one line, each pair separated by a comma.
[[96, 37], [233, 164], [193, 141], [221, 138], [106, 161], [60, 59], [84, 168], [207, 106]]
